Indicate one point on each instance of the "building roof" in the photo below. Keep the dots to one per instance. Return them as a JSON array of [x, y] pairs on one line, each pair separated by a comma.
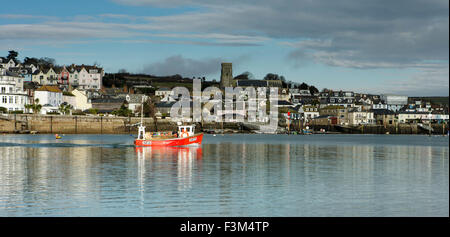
[[72, 68], [382, 111], [284, 102], [165, 104], [107, 100], [135, 98], [334, 107], [49, 88], [30, 85], [256, 83], [324, 116], [11, 74]]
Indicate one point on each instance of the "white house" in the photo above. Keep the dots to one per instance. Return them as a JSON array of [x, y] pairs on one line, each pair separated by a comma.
[[49, 95], [12, 95], [405, 117], [361, 117], [163, 92], [6, 64], [310, 112], [82, 101], [45, 76], [86, 77], [134, 101], [70, 99]]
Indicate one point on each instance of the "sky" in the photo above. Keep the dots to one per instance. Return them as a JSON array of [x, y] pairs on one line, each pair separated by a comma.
[[399, 47]]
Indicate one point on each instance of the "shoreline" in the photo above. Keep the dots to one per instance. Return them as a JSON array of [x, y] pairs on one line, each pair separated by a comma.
[[232, 133], [50, 124]]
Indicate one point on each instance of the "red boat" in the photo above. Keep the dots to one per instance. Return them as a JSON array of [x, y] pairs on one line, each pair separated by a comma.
[[184, 137]]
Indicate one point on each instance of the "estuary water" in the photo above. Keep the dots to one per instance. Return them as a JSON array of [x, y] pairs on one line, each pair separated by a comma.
[[229, 175]]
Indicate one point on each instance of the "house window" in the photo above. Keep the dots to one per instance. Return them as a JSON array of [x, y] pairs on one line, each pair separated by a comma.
[[4, 99], [3, 89]]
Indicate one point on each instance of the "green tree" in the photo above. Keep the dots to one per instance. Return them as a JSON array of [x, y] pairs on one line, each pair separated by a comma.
[[12, 55], [271, 76], [65, 108], [123, 111], [304, 86], [313, 90], [28, 60], [245, 75], [36, 107], [93, 111], [150, 110]]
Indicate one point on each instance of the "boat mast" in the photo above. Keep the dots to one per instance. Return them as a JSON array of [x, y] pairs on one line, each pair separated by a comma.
[[142, 110], [141, 131]]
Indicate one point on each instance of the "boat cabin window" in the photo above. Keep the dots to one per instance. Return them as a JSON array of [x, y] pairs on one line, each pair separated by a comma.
[[188, 129]]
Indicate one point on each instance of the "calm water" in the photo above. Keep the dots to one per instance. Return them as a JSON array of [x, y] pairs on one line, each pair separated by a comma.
[[230, 175]]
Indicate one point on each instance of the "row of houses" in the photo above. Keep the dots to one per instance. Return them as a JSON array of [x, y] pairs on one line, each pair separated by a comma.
[[76, 76], [336, 107], [16, 93], [81, 87], [340, 115]]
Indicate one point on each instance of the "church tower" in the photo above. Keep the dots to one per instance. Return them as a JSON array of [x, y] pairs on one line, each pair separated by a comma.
[[226, 75]]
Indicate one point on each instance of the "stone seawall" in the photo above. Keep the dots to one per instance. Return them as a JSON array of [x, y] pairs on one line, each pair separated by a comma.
[[380, 129], [91, 124], [78, 124]]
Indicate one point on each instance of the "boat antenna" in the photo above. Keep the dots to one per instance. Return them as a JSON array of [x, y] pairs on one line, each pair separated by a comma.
[[142, 110]]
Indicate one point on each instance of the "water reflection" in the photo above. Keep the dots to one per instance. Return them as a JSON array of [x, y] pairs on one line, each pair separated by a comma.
[[224, 177], [185, 157]]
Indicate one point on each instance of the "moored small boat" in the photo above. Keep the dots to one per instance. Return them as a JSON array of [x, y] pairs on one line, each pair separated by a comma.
[[184, 137]]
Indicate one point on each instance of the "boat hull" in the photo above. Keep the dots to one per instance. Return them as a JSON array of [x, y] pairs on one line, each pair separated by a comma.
[[192, 140]]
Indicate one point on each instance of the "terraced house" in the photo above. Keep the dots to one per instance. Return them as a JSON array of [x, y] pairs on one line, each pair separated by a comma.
[[45, 76], [12, 95], [338, 98], [7, 63], [78, 76], [86, 77]]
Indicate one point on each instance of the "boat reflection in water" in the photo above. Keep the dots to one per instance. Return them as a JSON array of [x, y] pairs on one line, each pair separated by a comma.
[[182, 153], [176, 161]]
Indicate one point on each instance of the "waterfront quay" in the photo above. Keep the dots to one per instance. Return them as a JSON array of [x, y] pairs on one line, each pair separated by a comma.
[[77, 124]]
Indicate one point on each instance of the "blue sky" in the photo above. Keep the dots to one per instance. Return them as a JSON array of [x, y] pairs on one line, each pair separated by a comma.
[[365, 46]]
